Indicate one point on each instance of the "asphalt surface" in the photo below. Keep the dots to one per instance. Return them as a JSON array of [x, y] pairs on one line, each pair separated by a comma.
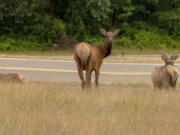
[[59, 70]]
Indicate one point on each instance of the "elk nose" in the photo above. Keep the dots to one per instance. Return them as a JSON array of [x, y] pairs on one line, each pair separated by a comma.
[[110, 39]]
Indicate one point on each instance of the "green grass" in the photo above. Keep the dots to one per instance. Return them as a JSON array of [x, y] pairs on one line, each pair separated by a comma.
[[62, 51], [70, 51], [119, 51]]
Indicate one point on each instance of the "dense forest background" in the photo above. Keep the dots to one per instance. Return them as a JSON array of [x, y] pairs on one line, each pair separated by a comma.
[[34, 24]]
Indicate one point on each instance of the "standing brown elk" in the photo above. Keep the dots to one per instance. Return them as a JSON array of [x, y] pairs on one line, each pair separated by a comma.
[[165, 76], [89, 57]]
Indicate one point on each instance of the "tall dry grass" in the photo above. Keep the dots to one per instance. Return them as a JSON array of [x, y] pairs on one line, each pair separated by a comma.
[[47, 108]]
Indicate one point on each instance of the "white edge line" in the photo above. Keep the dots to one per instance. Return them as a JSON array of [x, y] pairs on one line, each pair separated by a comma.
[[69, 61]]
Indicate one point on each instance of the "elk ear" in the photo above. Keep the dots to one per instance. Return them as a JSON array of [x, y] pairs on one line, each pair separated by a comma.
[[102, 31], [174, 56], [164, 56], [116, 32]]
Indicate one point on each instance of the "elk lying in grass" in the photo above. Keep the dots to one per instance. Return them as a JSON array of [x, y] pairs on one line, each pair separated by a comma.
[[89, 57], [165, 76], [12, 77]]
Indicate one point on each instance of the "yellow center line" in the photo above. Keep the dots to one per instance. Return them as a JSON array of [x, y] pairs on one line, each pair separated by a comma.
[[37, 69], [72, 71]]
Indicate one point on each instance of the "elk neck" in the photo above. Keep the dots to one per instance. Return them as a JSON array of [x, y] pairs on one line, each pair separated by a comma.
[[106, 48], [167, 64]]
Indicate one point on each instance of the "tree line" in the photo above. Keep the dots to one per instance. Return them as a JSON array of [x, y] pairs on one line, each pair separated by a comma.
[[33, 24]]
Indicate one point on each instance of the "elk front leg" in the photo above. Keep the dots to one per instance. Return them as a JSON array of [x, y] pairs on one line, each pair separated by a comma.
[[96, 77], [88, 78]]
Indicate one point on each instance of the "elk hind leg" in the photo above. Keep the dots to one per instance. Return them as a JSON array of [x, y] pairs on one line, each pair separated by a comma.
[[155, 88], [173, 86], [88, 78], [96, 77], [80, 72], [165, 86]]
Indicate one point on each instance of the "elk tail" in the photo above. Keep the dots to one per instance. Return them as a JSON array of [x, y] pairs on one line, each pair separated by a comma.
[[83, 52]]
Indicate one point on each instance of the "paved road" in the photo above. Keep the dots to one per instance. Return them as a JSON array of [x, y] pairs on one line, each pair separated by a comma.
[[55, 70]]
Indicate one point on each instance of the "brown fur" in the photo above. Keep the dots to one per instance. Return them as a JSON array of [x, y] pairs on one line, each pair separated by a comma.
[[12, 77], [89, 57], [173, 71], [165, 76], [83, 52]]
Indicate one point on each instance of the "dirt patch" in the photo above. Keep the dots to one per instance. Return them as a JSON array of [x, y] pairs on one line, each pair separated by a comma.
[[68, 41]]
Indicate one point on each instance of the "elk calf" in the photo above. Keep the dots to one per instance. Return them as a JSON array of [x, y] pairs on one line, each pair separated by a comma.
[[89, 57], [165, 76]]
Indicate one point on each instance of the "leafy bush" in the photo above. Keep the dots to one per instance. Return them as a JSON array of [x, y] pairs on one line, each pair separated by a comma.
[[45, 28], [12, 44], [168, 20], [139, 35], [7, 44], [155, 40], [143, 35], [123, 42], [97, 40]]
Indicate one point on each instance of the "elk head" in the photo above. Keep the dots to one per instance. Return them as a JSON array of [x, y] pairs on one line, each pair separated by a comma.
[[110, 35], [169, 61]]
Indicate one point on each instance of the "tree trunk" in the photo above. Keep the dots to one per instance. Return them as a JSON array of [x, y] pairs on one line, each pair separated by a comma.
[[53, 8]]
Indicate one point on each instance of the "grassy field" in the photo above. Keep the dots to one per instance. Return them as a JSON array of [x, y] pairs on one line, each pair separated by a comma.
[[52, 108]]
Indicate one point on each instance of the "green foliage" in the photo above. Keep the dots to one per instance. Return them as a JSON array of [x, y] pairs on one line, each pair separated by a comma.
[[46, 27], [123, 42], [97, 40], [7, 44], [169, 20], [32, 24], [12, 44], [148, 39], [86, 17], [142, 35]]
